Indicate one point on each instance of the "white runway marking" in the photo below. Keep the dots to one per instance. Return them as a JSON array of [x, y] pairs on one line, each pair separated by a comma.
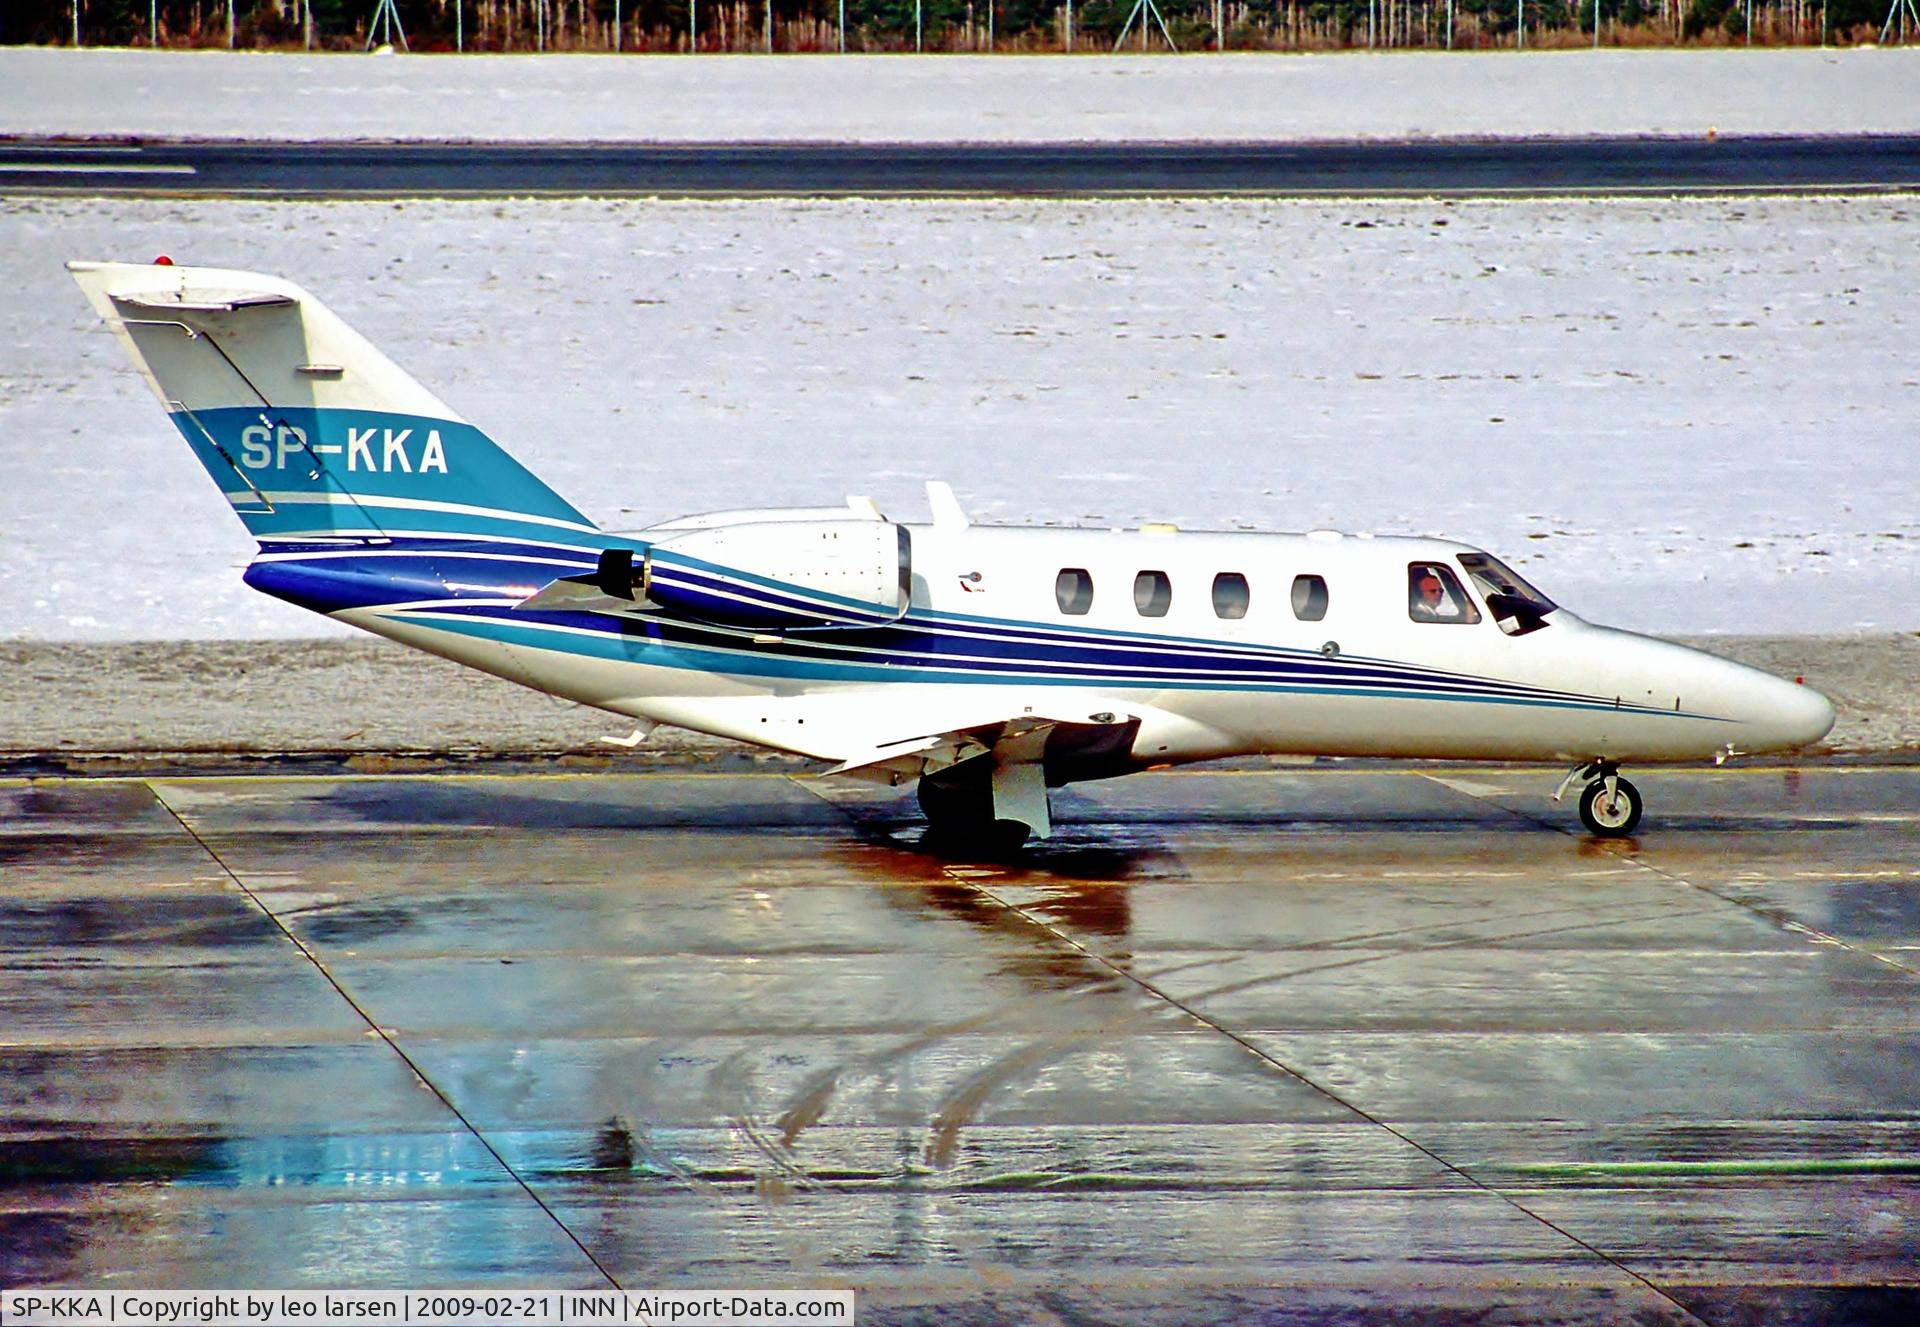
[[1471, 787], [86, 149], [88, 168]]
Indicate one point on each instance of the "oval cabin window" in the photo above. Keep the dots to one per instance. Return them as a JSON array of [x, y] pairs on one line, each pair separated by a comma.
[[1230, 595], [1073, 590], [1309, 598], [1152, 593]]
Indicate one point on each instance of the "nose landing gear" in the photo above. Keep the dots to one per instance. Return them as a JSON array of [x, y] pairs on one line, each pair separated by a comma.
[[1610, 807]]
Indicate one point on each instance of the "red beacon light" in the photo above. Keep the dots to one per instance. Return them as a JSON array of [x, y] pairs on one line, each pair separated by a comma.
[[161, 260]]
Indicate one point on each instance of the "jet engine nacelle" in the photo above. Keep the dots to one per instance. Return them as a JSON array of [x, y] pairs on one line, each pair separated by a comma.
[[782, 574]]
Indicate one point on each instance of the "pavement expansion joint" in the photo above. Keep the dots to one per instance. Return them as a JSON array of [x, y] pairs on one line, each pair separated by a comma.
[[1357, 1034], [386, 1035], [1638, 859], [1290, 1071], [1785, 923]]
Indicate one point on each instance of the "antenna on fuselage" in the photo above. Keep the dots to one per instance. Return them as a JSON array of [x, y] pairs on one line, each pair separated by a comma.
[[948, 514]]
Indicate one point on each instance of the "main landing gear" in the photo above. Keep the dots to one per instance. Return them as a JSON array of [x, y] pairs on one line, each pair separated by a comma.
[[1610, 807], [989, 805], [960, 811]]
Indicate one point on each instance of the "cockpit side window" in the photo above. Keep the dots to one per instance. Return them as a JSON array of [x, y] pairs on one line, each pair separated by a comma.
[[1515, 605], [1434, 595]]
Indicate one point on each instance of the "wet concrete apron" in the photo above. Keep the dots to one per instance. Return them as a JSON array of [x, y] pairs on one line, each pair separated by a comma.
[[1358, 1041]]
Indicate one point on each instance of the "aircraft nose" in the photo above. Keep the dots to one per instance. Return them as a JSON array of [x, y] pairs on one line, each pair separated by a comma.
[[1787, 714]]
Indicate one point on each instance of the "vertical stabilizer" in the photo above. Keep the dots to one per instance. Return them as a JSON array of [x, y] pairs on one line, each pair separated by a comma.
[[310, 431]]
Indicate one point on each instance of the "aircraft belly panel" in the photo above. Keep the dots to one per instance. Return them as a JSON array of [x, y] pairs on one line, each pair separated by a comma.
[[1441, 727]]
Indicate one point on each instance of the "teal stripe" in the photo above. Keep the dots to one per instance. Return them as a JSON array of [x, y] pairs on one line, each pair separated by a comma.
[[367, 455], [655, 653]]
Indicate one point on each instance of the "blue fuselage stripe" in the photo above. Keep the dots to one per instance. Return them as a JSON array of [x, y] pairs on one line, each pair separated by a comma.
[[469, 589]]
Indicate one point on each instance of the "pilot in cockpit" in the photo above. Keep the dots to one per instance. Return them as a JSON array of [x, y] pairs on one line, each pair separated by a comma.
[[1430, 598], [1434, 596]]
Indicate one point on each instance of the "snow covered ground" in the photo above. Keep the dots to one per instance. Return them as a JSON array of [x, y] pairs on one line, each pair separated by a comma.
[[949, 97], [1690, 415]]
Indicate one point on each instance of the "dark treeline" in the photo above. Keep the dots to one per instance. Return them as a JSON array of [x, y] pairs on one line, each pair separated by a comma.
[[942, 25]]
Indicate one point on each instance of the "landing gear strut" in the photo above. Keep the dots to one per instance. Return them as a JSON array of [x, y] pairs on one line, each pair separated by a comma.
[[1610, 807], [959, 805]]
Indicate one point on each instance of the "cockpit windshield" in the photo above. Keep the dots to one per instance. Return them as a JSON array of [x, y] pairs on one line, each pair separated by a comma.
[[1514, 604]]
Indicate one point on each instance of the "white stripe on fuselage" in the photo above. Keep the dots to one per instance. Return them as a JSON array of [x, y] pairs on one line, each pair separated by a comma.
[[1564, 674]]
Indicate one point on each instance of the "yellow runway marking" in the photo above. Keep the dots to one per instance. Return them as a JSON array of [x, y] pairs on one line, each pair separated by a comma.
[[1494, 768]]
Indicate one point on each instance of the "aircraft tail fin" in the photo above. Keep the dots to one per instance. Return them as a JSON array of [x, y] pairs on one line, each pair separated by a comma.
[[310, 432]]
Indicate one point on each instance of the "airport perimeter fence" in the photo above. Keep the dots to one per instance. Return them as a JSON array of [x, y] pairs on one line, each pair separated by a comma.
[[1020, 26]]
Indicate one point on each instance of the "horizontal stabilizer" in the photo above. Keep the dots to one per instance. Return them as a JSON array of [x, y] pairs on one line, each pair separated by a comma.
[[204, 301]]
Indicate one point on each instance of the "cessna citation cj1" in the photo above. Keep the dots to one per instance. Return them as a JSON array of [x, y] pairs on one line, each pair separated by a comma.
[[988, 663]]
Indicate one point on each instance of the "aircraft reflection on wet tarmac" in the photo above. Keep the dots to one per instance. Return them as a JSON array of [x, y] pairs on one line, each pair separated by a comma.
[[1354, 1040]]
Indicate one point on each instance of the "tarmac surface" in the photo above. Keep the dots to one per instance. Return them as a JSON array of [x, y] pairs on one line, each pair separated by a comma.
[[1346, 1042], [1476, 168]]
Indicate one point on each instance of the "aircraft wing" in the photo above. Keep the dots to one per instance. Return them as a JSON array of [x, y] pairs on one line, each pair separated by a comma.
[[1019, 745], [943, 748], [1014, 731]]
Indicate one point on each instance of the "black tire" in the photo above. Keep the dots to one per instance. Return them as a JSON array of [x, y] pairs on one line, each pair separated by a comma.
[[960, 816], [996, 839], [1615, 821], [956, 805]]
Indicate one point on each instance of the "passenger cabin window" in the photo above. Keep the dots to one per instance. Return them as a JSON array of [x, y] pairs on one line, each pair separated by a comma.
[[1434, 595], [1516, 606], [1073, 589], [1309, 598], [1230, 595], [1152, 593]]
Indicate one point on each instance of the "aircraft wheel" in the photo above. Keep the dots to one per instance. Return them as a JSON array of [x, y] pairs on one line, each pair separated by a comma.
[[956, 804], [1615, 818], [1000, 838], [960, 816]]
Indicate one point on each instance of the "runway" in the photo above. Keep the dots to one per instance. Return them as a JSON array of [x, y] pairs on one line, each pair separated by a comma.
[[1394, 1043], [1447, 168]]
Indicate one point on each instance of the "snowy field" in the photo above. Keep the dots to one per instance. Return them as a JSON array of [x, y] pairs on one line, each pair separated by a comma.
[[950, 97], [1676, 415]]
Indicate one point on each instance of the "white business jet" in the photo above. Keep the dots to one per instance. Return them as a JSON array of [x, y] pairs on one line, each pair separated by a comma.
[[988, 663]]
